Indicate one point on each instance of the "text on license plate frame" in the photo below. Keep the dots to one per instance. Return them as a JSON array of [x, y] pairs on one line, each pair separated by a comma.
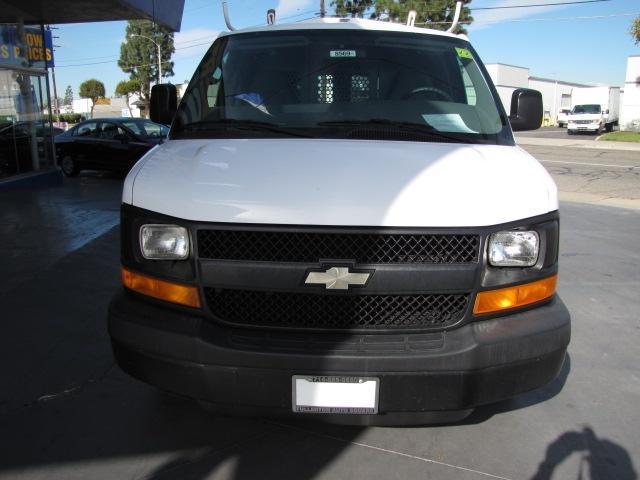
[[335, 394]]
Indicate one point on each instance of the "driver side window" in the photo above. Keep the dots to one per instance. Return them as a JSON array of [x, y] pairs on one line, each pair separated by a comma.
[[111, 131], [87, 130]]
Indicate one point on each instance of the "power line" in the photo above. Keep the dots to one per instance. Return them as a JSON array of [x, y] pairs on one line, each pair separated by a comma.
[[552, 4], [71, 61], [574, 2], [117, 56], [540, 5], [131, 66], [541, 19]]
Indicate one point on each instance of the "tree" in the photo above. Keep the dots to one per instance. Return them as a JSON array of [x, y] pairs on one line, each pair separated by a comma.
[[92, 89], [68, 96], [139, 55], [635, 30], [355, 8], [436, 14], [126, 88]]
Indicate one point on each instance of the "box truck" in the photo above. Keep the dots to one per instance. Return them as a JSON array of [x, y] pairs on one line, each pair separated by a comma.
[[594, 109]]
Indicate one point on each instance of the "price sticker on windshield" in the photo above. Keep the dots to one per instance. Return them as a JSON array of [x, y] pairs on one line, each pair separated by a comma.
[[343, 53], [464, 53]]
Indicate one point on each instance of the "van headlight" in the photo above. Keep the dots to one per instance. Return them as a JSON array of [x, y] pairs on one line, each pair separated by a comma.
[[164, 242], [514, 249]]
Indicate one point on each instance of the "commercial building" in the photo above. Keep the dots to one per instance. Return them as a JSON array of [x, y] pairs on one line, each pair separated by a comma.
[[27, 155], [630, 103], [556, 94]]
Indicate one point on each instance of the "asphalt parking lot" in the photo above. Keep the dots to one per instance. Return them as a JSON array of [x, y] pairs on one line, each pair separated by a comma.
[[556, 132], [592, 175], [66, 412]]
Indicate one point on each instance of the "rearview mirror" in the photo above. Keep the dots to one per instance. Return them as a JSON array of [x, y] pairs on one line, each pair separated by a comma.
[[526, 110], [164, 103]]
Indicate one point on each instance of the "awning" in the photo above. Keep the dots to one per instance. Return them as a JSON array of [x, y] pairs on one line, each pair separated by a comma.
[[163, 12]]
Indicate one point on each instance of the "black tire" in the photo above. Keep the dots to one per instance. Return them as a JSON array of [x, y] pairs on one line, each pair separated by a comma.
[[69, 166], [608, 127], [569, 132]]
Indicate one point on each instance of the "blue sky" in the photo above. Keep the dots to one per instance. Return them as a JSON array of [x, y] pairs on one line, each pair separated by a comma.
[[579, 50]]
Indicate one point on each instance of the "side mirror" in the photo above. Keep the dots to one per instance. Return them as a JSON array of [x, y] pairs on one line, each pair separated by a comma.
[[164, 103], [526, 110]]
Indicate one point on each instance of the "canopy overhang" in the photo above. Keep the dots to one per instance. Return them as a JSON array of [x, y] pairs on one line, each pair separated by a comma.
[[164, 12]]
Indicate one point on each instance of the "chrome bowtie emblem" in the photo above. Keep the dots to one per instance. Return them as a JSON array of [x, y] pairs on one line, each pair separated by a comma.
[[337, 278]]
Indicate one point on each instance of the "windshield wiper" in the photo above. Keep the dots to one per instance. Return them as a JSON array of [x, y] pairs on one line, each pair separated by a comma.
[[233, 123], [383, 122]]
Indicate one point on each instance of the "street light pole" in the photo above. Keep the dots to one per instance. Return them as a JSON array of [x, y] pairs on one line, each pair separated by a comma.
[[159, 54]]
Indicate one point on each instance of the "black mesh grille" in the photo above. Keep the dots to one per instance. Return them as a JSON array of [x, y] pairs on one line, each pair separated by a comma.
[[310, 247], [302, 310], [381, 133]]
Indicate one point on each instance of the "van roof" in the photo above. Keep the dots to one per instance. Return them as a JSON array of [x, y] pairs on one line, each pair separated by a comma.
[[335, 23]]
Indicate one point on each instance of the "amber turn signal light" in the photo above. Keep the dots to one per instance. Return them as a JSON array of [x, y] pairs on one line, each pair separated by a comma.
[[513, 297], [160, 289]]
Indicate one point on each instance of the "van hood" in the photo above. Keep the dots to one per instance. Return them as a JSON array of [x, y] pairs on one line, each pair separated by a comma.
[[340, 182]]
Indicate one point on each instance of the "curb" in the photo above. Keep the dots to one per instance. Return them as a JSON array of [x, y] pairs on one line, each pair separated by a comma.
[[601, 200], [576, 143]]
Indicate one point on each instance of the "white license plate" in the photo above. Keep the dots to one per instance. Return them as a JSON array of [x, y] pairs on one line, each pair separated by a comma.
[[330, 394]]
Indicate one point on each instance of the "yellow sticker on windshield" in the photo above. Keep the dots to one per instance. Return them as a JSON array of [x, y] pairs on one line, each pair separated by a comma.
[[464, 53]]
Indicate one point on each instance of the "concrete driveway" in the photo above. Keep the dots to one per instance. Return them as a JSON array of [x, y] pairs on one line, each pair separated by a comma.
[[66, 412], [556, 132]]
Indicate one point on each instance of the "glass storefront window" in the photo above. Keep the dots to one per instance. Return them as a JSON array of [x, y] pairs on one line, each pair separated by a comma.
[[25, 133]]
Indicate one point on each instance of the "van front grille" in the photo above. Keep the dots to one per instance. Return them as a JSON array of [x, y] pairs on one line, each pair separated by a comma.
[[363, 248], [335, 311]]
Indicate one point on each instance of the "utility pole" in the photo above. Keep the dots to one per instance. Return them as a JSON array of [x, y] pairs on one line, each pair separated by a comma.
[[159, 64], [55, 94], [56, 104], [323, 12], [159, 54]]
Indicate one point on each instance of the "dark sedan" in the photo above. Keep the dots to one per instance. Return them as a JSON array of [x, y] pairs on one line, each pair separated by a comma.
[[107, 144]]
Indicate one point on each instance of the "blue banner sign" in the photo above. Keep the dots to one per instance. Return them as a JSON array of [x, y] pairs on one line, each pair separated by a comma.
[[33, 48]]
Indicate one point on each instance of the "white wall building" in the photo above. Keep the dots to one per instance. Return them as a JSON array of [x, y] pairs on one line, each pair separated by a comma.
[[112, 107], [630, 102], [182, 88], [81, 106], [556, 94]]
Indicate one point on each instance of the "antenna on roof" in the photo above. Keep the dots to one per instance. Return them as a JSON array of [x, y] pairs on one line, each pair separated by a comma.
[[411, 18], [456, 17], [271, 16], [225, 11]]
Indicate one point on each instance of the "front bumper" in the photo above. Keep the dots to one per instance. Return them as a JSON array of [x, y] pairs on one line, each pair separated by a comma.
[[423, 379], [583, 127]]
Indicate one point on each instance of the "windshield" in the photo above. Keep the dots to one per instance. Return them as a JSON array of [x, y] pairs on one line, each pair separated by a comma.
[[586, 109], [341, 84], [146, 128]]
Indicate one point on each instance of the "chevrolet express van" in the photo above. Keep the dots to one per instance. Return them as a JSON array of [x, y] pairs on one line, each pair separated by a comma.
[[341, 227]]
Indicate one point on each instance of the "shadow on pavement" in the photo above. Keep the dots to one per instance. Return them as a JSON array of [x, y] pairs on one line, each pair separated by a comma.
[[484, 413], [602, 458], [65, 410]]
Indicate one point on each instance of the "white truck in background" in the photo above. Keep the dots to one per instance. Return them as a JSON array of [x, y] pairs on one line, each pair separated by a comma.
[[593, 109]]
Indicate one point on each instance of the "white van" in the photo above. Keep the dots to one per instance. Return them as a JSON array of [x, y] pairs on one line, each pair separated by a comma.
[[340, 226]]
